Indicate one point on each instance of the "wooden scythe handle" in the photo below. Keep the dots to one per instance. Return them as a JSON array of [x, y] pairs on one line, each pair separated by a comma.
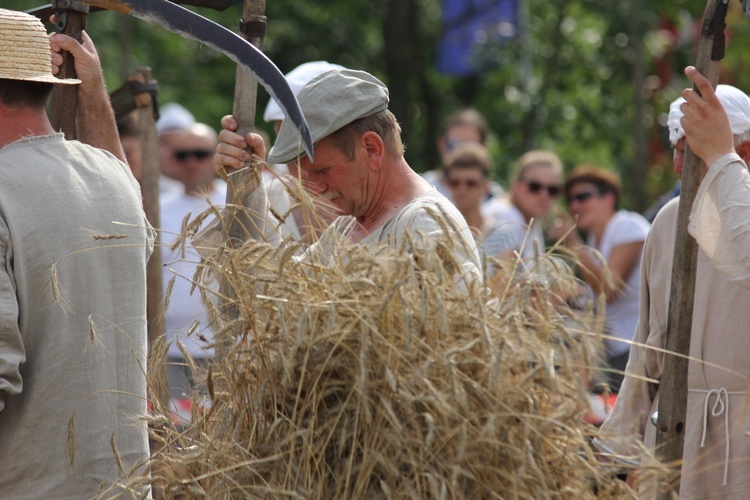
[[242, 182], [71, 19], [245, 96]]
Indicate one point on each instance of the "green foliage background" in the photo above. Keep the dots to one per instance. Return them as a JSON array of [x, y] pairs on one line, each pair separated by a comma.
[[576, 95]]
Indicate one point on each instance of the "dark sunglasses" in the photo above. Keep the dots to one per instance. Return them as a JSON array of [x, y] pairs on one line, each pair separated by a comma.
[[581, 197], [535, 187], [470, 183], [198, 154]]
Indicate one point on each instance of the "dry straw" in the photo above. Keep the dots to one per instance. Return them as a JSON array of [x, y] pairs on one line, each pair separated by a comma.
[[376, 378]]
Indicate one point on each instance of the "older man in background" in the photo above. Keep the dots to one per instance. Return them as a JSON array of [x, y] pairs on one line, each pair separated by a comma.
[[186, 319]]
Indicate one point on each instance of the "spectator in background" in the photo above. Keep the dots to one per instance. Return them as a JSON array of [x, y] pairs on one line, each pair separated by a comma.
[[466, 125], [593, 196], [190, 159], [533, 193], [467, 169]]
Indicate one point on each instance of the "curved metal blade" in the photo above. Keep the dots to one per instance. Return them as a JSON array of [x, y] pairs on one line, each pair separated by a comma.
[[188, 24]]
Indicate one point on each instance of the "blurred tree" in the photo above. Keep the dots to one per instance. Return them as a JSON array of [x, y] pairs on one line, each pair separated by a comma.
[[577, 94]]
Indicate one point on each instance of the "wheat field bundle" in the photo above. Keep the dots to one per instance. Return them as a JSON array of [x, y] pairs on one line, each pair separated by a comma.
[[379, 378]]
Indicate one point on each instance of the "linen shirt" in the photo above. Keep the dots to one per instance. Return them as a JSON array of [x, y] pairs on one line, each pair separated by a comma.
[[73, 248], [719, 350]]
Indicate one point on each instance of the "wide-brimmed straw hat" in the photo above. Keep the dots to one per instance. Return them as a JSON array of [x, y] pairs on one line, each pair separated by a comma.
[[27, 54]]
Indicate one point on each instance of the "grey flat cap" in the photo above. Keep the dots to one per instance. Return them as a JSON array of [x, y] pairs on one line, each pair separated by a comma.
[[329, 102]]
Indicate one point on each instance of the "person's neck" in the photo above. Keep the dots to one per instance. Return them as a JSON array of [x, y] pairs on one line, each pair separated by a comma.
[[18, 123], [526, 217], [397, 185], [474, 218], [597, 230]]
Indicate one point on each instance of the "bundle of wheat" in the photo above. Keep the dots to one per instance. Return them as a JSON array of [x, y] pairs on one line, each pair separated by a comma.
[[379, 378]]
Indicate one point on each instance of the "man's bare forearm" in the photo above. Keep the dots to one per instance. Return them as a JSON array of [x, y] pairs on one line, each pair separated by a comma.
[[96, 122]]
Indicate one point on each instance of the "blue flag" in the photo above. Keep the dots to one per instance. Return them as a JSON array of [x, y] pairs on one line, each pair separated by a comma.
[[471, 28]]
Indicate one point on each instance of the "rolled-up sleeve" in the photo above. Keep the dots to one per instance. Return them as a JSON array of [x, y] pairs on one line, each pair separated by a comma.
[[720, 218], [12, 353]]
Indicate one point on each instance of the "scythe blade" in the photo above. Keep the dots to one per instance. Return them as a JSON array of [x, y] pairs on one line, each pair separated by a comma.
[[188, 24]]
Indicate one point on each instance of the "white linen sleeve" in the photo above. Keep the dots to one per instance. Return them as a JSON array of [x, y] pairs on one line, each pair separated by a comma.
[[720, 218]]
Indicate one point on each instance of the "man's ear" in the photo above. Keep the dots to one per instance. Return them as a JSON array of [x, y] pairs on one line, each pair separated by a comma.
[[744, 150], [373, 148]]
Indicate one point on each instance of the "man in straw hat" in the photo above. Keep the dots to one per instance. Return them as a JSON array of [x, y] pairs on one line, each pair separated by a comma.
[[73, 249], [359, 167], [716, 444]]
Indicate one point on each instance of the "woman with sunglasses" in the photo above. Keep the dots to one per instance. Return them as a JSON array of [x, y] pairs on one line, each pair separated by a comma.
[[532, 196], [593, 196]]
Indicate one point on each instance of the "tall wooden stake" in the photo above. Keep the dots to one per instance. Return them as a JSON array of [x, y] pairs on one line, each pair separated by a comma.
[[673, 389], [146, 107]]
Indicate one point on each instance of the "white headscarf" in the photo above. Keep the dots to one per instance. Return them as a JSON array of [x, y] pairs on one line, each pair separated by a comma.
[[735, 102]]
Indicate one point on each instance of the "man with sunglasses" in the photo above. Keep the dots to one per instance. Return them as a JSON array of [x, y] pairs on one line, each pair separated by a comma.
[[463, 126], [719, 349], [466, 173], [190, 152]]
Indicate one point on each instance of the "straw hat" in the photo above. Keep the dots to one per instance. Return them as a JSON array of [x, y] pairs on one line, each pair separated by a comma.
[[28, 57]]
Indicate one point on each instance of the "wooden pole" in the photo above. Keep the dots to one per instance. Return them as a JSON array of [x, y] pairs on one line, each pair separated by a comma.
[[146, 109], [70, 16], [245, 96], [673, 389], [242, 182]]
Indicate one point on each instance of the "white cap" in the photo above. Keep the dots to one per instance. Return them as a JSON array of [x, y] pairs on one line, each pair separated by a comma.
[[298, 78], [736, 103], [172, 117]]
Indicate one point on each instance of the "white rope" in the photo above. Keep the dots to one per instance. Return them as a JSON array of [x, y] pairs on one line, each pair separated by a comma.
[[720, 407]]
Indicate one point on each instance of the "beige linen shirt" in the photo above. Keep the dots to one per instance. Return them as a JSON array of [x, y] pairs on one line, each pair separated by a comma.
[[427, 220], [73, 248], [720, 346]]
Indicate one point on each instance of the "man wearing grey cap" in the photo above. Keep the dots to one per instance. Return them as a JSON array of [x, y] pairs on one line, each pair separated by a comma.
[[359, 167], [718, 370], [305, 222]]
